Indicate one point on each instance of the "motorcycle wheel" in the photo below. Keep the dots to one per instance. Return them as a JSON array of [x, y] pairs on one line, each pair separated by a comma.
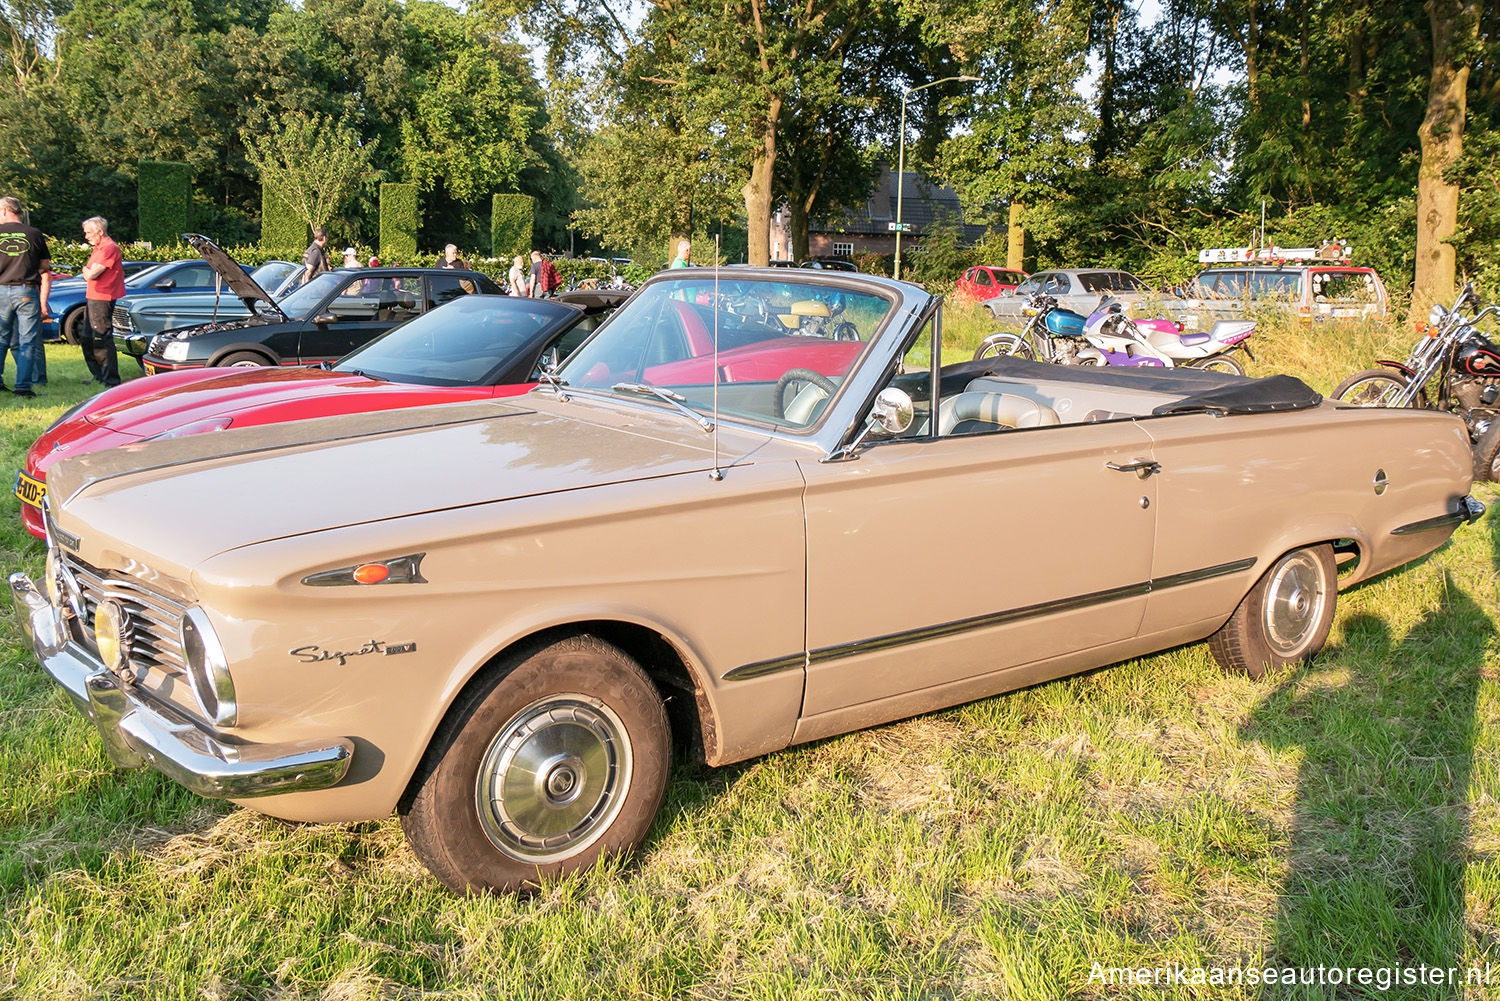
[[1004, 345], [1487, 455], [1374, 387], [1218, 363]]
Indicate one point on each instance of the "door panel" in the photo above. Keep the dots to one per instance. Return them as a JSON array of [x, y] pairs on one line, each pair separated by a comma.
[[942, 559]]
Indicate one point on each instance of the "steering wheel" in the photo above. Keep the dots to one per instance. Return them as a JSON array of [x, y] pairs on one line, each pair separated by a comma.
[[807, 377]]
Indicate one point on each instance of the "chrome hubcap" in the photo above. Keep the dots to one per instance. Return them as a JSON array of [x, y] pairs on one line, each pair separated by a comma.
[[554, 778], [1295, 599]]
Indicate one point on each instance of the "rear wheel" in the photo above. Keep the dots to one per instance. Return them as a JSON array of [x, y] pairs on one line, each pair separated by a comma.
[[1003, 346], [1219, 363], [1373, 387], [559, 760], [1284, 619], [243, 359]]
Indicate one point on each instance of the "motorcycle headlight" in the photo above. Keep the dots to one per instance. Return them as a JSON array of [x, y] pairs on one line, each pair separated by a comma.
[[1436, 315], [207, 668], [176, 351]]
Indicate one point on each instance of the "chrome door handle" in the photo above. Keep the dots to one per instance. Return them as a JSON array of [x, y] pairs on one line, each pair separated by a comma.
[[1140, 467]]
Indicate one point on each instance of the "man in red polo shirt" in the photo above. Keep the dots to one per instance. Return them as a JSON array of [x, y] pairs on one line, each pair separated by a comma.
[[104, 276]]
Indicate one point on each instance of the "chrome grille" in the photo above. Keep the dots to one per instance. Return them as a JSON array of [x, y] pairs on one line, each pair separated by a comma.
[[121, 319], [154, 618]]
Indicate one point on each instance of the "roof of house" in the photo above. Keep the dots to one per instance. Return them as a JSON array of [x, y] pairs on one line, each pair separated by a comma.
[[922, 202]]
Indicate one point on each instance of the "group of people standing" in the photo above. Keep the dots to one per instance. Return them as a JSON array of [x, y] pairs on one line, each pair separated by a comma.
[[25, 283], [541, 283]]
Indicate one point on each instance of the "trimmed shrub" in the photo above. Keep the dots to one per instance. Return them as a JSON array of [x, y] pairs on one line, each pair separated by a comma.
[[165, 196], [510, 225], [280, 226], [398, 222]]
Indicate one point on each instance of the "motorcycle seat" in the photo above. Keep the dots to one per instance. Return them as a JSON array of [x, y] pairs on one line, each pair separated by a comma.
[[1191, 339]]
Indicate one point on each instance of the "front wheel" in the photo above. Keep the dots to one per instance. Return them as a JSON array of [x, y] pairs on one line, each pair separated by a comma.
[[72, 325], [1487, 455], [243, 359], [1284, 619], [1004, 346], [559, 760], [1373, 387], [1219, 363]]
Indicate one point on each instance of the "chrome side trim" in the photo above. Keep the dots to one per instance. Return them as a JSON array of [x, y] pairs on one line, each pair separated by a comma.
[[892, 640], [139, 730], [1469, 511]]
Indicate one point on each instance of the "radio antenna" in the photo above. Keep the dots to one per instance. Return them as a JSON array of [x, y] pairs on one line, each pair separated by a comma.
[[717, 474]]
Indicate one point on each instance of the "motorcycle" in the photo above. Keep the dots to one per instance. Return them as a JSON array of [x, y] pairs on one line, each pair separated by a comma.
[[1108, 336], [1467, 366], [1051, 334], [1120, 339]]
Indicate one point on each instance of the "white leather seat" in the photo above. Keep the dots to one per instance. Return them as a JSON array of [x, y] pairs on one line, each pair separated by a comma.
[[1000, 409]]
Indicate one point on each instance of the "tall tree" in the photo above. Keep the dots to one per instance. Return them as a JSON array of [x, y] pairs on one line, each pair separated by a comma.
[[312, 162], [1455, 38]]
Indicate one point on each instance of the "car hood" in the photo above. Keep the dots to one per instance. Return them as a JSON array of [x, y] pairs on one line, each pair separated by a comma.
[[184, 302], [264, 394], [186, 500], [234, 276]]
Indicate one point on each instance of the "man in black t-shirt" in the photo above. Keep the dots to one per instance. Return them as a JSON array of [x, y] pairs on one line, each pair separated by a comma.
[[25, 280], [315, 257]]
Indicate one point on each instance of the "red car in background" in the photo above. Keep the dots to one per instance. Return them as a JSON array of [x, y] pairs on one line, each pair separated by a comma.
[[983, 281], [472, 348]]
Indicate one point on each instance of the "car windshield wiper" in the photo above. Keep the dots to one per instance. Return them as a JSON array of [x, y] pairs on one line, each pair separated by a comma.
[[669, 397], [365, 375]]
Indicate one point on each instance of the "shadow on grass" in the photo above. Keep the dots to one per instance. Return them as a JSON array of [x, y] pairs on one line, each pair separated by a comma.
[[1376, 861]]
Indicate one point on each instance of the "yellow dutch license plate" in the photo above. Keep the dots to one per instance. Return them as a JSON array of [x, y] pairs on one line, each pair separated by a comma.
[[30, 491], [150, 368]]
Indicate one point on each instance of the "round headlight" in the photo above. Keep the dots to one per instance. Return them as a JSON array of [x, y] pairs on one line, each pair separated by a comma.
[[109, 635], [207, 667], [1437, 314]]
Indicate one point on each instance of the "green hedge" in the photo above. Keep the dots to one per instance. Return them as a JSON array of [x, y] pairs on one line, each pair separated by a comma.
[[398, 222], [510, 225], [165, 193], [280, 225]]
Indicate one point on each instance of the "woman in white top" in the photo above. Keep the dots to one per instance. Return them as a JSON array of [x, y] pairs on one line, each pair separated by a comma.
[[518, 277]]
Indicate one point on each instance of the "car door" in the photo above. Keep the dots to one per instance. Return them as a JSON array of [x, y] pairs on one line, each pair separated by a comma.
[[355, 312], [938, 568]]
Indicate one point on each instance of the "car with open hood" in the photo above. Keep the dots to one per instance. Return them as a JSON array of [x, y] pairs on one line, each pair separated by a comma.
[[474, 348], [138, 318], [705, 532], [322, 320]]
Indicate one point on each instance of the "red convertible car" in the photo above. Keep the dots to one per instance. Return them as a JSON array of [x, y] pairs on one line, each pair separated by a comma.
[[475, 347]]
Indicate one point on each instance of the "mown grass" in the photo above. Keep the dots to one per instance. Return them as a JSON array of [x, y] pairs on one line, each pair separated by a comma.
[[1155, 812]]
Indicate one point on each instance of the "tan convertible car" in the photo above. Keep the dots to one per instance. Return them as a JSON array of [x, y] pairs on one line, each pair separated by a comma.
[[753, 509]]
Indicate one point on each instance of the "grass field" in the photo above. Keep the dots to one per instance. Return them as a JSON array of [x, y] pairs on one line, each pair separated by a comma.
[[1154, 813]]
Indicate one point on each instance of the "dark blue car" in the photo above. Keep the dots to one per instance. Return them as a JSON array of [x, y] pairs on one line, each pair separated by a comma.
[[65, 302]]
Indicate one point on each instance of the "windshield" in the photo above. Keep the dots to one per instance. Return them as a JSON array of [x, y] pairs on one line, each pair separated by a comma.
[[300, 304], [146, 276], [784, 347], [466, 342]]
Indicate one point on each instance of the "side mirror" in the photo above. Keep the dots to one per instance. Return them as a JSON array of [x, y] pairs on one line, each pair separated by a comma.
[[893, 411], [323, 319]]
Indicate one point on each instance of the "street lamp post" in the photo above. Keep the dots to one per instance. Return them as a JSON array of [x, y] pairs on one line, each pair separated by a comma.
[[901, 155]]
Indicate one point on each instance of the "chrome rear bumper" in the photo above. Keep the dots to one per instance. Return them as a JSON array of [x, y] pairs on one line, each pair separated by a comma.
[[139, 730]]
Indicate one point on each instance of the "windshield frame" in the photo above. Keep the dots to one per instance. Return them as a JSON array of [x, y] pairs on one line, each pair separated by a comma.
[[832, 418]]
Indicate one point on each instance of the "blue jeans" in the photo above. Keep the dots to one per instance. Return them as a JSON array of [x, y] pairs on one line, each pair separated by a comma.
[[20, 330]]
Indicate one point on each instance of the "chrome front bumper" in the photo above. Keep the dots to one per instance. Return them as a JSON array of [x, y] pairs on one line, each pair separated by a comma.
[[139, 730]]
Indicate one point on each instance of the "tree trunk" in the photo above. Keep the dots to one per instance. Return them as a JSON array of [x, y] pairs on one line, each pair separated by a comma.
[[797, 227], [1015, 237], [1455, 28], [757, 191]]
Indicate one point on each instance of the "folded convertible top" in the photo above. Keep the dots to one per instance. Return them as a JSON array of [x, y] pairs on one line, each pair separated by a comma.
[[1214, 392]]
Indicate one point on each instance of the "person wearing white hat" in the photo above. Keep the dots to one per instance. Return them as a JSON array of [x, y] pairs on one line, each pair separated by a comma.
[[351, 258]]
